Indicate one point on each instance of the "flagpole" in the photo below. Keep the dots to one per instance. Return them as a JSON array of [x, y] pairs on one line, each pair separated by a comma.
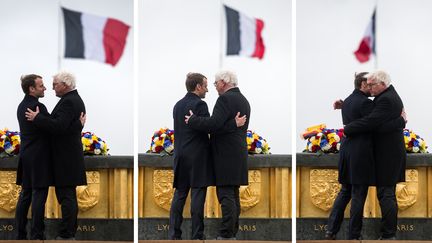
[[59, 55], [221, 50], [375, 35]]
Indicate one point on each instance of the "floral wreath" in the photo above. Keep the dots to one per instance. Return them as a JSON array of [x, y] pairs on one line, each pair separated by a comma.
[[413, 142], [322, 140], [256, 144], [162, 141], [9, 143], [93, 145]]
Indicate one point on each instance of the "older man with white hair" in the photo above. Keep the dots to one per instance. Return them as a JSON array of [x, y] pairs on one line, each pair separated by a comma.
[[388, 146], [66, 145], [229, 148]]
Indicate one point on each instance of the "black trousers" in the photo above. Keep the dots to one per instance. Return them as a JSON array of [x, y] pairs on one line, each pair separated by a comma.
[[229, 199], [37, 197], [66, 197], [389, 210], [198, 196], [337, 213], [358, 198]]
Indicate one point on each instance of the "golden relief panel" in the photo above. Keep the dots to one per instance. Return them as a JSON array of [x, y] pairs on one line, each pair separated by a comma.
[[163, 191], [9, 191], [406, 192], [324, 187], [250, 194], [88, 195]]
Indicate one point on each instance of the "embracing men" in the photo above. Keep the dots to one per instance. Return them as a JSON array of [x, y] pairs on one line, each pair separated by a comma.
[[199, 160], [51, 154], [373, 153]]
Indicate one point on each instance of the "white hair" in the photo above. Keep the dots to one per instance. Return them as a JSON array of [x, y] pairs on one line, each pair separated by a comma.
[[66, 78], [380, 76], [228, 77]]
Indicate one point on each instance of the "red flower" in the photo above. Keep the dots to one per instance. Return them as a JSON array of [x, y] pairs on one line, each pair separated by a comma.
[[410, 143], [158, 149]]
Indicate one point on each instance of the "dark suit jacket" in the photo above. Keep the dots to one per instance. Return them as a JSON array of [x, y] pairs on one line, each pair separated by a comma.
[[192, 160], [356, 161], [67, 148], [34, 163], [229, 146], [388, 146]]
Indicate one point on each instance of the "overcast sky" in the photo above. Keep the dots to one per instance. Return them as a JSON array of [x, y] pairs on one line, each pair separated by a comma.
[[32, 42], [177, 37], [329, 31], [174, 38]]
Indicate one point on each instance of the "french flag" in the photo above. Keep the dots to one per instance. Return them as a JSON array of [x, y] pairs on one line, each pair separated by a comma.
[[244, 34], [367, 44], [94, 37]]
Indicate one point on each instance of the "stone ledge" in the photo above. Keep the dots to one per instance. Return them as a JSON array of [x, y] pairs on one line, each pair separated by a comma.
[[209, 241], [331, 241], [254, 161], [91, 162], [331, 160], [59, 241], [88, 229], [408, 229], [274, 229]]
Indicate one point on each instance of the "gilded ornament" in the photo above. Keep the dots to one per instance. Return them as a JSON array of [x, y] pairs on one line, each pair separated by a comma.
[[406, 192], [250, 194], [9, 191], [163, 191], [324, 187], [88, 195]]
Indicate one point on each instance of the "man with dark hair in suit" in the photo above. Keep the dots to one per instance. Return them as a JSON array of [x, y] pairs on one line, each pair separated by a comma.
[[193, 169], [66, 147], [356, 161], [355, 106], [34, 172], [388, 146], [229, 149]]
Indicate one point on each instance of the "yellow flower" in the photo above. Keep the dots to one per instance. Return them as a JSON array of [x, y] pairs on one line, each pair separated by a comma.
[[159, 142], [315, 141], [331, 138], [86, 141]]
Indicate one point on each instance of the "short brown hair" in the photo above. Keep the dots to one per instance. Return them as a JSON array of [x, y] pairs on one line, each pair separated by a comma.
[[359, 79], [193, 79], [28, 81]]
